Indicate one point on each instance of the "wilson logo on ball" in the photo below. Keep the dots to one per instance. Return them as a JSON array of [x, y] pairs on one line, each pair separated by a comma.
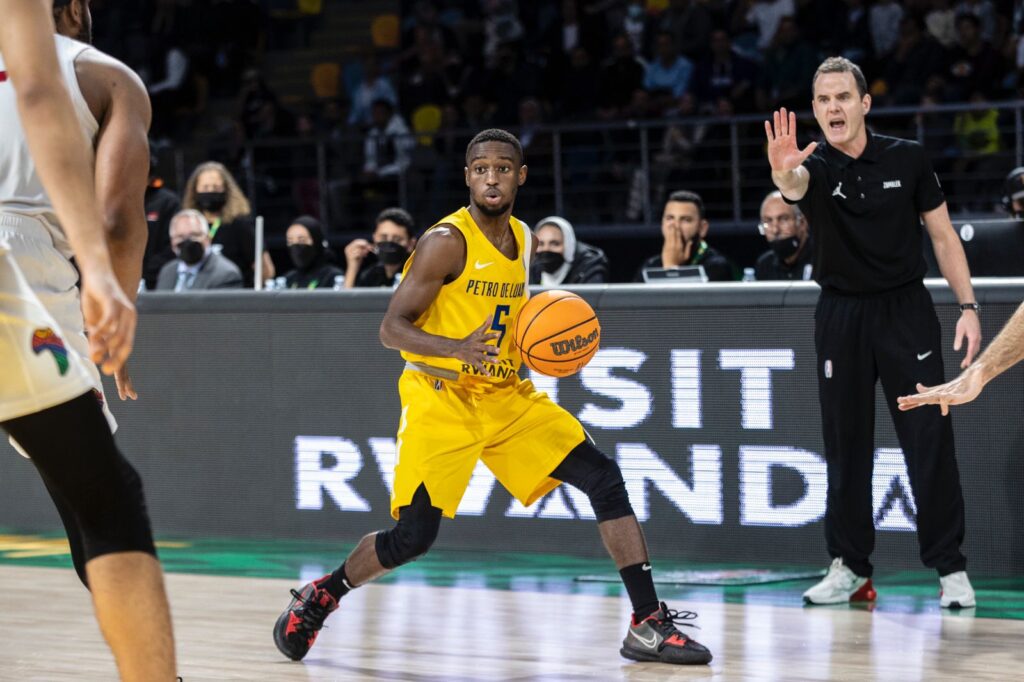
[[567, 346]]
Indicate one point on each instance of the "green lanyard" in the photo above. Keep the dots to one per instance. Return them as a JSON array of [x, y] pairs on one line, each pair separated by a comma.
[[701, 250], [214, 226]]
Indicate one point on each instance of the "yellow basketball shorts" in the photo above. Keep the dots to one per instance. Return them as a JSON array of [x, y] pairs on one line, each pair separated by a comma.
[[520, 434]]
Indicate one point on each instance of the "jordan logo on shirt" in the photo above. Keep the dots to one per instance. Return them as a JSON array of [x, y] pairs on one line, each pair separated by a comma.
[[838, 191]]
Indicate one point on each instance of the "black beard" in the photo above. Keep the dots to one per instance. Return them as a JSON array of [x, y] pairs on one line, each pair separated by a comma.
[[494, 212]]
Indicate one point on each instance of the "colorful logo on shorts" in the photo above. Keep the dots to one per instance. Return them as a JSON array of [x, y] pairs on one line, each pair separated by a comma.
[[45, 339]]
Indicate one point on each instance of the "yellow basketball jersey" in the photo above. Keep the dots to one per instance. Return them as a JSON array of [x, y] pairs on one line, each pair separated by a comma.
[[490, 285]]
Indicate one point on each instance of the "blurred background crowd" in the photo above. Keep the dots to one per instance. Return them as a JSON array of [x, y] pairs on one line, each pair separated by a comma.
[[343, 123]]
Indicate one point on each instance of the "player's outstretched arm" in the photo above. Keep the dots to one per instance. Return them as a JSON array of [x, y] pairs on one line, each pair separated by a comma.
[[439, 258], [1005, 351], [785, 157], [60, 152]]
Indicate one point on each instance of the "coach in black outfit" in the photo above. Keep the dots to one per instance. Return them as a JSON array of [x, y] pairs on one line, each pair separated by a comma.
[[866, 196]]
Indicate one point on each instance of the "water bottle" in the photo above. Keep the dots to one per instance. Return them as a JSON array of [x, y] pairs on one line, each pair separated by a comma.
[[748, 275], [268, 285], [339, 282], [280, 283]]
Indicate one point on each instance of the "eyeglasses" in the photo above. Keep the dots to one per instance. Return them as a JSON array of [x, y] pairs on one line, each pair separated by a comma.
[[779, 222]]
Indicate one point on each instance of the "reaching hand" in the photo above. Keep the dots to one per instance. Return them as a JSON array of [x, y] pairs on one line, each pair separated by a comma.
[[783, 153], [109, 320], [476, 348], [963, 389]]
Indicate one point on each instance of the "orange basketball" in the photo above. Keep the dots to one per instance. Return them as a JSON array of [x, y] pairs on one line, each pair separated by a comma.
[[557, 333]]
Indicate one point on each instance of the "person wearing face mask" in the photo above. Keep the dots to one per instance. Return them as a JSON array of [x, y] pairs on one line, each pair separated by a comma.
[[196, 266], [684, 228], [789, 243], [307, 249], [560, 259], [213, 191], [393, 241]]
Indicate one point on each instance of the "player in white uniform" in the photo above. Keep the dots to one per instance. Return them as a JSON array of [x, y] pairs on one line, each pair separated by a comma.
[[48, 402]]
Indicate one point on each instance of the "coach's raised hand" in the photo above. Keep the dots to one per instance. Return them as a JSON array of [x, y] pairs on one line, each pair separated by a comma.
[[477, 349], [109, 319], [785, 157]]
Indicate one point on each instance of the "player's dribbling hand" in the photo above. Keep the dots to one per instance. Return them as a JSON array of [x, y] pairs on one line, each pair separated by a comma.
[[783, 154], [477, 349], [109, 320]]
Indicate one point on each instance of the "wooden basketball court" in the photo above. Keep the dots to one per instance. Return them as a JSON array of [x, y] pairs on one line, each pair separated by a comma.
[[419, 633]]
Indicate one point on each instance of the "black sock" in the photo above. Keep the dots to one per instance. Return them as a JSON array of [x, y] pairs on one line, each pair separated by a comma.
[[336, 584], [640, 586]]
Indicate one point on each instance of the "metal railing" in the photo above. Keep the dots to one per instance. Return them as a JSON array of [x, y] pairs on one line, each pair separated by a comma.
[[608, 173]]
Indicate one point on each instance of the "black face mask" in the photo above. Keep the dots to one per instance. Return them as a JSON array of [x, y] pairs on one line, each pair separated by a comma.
[[302, 255], [392, 253], [211, 201], [785, 247], [191, 252], [549, 261]]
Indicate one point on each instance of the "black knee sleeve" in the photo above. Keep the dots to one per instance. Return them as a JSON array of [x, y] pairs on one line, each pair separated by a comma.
[[414, 533], [97, 491], [600, 477]]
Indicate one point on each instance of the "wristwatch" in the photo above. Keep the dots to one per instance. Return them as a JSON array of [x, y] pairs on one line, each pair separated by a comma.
[[969, 306]]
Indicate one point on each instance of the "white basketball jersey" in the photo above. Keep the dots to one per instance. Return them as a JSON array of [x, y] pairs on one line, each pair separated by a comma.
[[21, 190]]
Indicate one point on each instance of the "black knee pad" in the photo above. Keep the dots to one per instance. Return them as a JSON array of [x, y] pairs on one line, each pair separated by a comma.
[[600, 477], [97, 492], [414, 533], [119, 523]]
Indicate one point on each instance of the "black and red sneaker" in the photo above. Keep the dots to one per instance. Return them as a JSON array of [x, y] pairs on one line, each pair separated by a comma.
[[297, 628], [656, 638]]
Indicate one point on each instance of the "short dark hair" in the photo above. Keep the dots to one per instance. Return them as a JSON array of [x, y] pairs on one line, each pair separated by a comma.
[[399, 216], [496, 135], [968, 17], [842, 65], [688, 197]]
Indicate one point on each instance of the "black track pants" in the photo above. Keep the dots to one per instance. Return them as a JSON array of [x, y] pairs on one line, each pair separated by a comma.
[[896, 337]]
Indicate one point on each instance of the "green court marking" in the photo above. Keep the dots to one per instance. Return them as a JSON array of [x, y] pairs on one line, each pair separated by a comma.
[[899, 591]]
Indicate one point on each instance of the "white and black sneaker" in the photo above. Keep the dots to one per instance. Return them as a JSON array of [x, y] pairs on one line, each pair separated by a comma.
[[956, 591], [657, 639], [840, 586]]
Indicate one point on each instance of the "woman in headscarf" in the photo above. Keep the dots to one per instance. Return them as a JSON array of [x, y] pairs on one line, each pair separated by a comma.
[[561, 259], [307, 249]]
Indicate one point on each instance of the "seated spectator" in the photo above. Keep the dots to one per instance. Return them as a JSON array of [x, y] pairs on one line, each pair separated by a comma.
[[307, 249], [161, 204], [621, 74], [196, 266], [388, 144], [669, 71], [973, 63], [884, 19], [788, 66], [212, 190], [561, 259], [725, 74], [373, 86], [790, 250], [764, 16], [1013, 193], [393, 241], [684, 228], [690, 23]]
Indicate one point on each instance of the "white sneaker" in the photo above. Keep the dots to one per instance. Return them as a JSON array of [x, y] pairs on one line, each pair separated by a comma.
[[956, 591], [839, 586]]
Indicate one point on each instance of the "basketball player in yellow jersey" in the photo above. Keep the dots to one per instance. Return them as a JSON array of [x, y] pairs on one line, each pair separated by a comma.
[[463, 401]]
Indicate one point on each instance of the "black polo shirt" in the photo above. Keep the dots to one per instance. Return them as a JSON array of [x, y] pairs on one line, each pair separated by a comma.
[[865, 213]]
